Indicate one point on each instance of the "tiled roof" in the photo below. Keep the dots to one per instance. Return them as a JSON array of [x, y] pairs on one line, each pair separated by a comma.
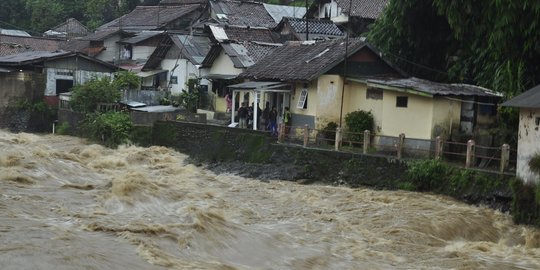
[[434, 88], [16, 44], [323, 27], [242, 13], [71, 27], [370, 9], [249, 34], [101, 35], [243, 54], [257, 50], [140, 37], [182, 2], [301, 60], [279, 11], [150, 17]]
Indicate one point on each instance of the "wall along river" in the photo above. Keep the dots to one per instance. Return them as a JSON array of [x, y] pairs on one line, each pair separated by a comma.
[[68, 204]]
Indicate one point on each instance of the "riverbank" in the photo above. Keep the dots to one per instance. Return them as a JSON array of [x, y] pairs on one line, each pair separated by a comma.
[[256, 155]]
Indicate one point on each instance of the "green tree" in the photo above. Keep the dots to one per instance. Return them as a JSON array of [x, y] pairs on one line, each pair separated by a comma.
[[44, 14], [489, 43], [86, 97]]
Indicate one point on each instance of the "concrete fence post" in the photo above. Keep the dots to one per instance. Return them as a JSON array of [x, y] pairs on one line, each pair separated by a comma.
[[306, 135], [399, 146], [367, 135], [338, 139], [281, 133], [505, 157], [438, 147], [470, 154]]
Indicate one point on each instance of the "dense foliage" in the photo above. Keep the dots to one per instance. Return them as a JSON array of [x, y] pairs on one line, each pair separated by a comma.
[[38, 16], [86, 97], [110, 128], [358, 122], [490, 43]]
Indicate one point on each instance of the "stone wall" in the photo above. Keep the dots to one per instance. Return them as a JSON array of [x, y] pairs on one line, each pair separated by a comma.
[[255, 154]]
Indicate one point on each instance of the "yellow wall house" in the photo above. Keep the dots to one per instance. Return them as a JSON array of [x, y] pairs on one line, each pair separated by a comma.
[[528, 133], [418, 108]]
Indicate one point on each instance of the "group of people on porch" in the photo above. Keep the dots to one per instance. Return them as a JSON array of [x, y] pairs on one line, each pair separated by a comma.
[[267, 118]]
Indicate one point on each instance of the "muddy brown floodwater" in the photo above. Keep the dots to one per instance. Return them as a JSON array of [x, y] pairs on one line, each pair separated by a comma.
[[68, 204]]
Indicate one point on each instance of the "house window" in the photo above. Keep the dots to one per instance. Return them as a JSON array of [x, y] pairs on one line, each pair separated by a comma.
[[174, 79], [537, 121], [402, 101], [374, 93], [63, 86], [302, 101], [64, 73]]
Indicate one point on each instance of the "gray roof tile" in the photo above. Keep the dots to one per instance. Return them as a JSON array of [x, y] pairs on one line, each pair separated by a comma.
[[301, 60]]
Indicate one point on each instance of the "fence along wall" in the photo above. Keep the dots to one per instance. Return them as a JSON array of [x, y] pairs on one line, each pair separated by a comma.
[[500, 159]]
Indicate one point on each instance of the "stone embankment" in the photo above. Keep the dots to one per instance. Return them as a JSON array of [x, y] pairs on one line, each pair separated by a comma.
[[256, 155]]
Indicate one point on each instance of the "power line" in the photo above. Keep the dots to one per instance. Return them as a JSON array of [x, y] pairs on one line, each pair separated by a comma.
[[417, 64]]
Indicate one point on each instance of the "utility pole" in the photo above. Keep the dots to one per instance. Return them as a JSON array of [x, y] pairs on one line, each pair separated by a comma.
[[345, 63], [306, 15]]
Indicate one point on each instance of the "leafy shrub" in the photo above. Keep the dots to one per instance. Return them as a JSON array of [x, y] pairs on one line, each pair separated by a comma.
[[534, 163], [329, 132], [63, 128], [86, 97], [126, 80], [110, 128], [426, 174], [358, 122]]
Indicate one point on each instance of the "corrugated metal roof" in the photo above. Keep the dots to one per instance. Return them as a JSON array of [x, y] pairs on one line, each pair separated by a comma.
[[277, 12], [434, 88], [218, 33], [528, 99], [194, 48], [238, 54], [17, 33]]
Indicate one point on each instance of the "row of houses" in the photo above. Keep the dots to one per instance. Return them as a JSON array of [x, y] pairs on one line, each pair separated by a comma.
[[259, 54]]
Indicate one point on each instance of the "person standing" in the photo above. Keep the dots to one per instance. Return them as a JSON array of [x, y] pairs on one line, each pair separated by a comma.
[[287, 120], [273, 121], [266, 117], [242, 116], [228, 99]]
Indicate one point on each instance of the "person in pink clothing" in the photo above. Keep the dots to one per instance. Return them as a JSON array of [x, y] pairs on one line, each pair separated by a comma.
[[228, 99]]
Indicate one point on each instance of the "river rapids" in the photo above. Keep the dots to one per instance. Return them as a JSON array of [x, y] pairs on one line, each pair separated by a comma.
[[69, 204]]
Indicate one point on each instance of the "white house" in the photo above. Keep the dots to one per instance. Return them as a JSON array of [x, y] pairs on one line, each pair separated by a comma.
[[528, 133]]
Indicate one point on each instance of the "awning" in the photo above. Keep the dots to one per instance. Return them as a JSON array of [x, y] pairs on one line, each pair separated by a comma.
[[6, 70], [219, 76], [145, 74], [260, 86]]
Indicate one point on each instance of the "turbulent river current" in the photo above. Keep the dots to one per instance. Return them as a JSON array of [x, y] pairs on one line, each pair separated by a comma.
[[69, 204]]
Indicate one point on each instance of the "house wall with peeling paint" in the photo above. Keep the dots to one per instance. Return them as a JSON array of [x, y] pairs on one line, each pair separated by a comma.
[[446, 117], [528, 138]]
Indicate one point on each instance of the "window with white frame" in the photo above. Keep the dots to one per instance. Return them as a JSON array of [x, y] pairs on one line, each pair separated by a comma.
[[302, 101]]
